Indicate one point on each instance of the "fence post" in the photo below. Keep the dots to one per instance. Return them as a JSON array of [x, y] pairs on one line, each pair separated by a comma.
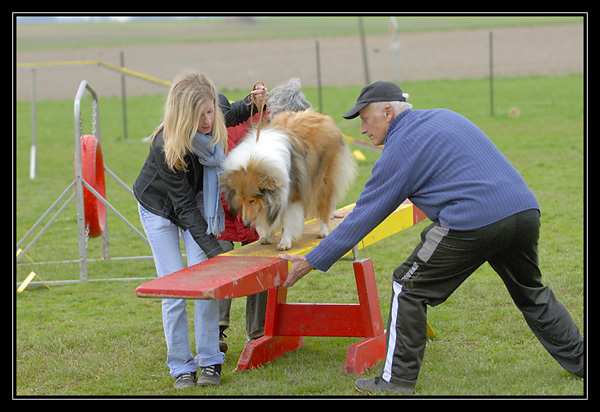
[[364, 50], [33, 149], [319, 76]]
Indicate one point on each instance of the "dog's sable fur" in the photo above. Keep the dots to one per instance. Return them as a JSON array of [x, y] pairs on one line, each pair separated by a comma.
[[299, 168]]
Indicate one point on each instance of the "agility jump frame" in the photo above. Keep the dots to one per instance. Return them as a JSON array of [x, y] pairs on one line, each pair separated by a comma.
[[89, 202]]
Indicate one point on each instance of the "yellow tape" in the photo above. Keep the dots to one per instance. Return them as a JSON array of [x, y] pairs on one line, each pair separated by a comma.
[[134, 73], [95, 62]]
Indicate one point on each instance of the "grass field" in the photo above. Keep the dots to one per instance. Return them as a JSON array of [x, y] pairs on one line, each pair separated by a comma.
[[99, 339]]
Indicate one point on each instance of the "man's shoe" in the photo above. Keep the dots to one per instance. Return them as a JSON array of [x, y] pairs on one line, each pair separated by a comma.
[[222, 344], [379, 385], [185, 380], [210, 375], [248, 340]]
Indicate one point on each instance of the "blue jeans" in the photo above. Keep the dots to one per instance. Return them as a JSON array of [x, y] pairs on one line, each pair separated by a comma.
[[163, 237]]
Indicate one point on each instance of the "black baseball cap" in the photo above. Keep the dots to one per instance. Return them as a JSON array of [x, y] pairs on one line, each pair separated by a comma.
[[380, 91]]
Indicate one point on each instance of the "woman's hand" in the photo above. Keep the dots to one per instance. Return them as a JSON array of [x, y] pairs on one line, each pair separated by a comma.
[[259, 93]]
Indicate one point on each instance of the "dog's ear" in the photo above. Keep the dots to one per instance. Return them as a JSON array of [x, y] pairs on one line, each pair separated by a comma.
[[267, 184], [227, 189], [268, 187], [224, 180]]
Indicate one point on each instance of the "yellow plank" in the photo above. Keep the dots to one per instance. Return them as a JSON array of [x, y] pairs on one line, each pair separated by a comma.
[[399, 220]]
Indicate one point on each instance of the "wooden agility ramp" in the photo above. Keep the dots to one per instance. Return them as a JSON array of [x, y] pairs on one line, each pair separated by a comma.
[[255, 268]]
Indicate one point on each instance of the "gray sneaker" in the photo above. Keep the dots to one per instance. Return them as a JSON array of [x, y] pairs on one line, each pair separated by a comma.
[[210, 375], [185, 380], [379, 385]]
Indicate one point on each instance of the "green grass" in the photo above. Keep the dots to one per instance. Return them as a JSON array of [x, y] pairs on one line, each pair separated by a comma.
[[99, 339]]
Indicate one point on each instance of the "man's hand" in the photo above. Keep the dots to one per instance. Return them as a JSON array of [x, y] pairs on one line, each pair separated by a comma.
[[299, 268]]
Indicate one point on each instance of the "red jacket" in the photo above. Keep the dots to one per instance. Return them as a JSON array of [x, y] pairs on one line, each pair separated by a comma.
[[234, 226]]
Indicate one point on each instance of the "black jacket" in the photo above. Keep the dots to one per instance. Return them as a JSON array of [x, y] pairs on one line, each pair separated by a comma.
[[177, 195]]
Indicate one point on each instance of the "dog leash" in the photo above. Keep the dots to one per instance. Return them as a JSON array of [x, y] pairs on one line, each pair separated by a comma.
[[259, 104]]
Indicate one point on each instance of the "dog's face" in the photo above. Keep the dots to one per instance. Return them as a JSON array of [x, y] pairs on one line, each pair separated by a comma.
[[251, 195]]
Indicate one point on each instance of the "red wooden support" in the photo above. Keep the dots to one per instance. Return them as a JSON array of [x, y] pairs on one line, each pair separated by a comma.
[[286, 324]]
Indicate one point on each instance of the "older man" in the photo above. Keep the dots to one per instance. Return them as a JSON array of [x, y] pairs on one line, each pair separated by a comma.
[[481, 209]]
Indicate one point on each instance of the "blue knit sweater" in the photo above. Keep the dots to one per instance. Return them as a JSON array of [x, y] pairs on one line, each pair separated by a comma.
[[446, 166]]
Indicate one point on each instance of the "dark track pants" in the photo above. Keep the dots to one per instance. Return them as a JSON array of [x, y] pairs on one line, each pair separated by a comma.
[[444, 259]]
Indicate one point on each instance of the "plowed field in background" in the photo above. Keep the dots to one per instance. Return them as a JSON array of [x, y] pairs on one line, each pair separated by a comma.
[[233, 64]]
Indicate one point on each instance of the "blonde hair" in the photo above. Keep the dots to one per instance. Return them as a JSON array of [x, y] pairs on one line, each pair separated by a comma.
[[189, 93]]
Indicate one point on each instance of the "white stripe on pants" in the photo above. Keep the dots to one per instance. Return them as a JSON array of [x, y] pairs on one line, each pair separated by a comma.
[[389, 356]]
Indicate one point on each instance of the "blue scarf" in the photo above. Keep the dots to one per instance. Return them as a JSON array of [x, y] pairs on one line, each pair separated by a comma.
[[211, 158]]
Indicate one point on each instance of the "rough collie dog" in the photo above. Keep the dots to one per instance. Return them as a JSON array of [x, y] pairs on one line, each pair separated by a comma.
[[299, 167]]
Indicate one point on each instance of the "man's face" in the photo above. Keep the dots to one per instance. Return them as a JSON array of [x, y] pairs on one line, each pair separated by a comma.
[[375, 122]]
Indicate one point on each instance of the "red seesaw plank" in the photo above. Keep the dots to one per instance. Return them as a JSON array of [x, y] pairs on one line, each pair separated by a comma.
[[222, 277]]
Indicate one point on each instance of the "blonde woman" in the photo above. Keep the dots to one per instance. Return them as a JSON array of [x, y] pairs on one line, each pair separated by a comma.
[[178, 192]]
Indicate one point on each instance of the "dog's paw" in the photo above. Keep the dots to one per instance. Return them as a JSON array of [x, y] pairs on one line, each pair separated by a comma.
[[264, 240], [323, 231], [284, 244]]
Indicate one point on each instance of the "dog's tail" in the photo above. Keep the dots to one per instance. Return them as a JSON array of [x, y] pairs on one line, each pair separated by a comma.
[[345, 169]]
